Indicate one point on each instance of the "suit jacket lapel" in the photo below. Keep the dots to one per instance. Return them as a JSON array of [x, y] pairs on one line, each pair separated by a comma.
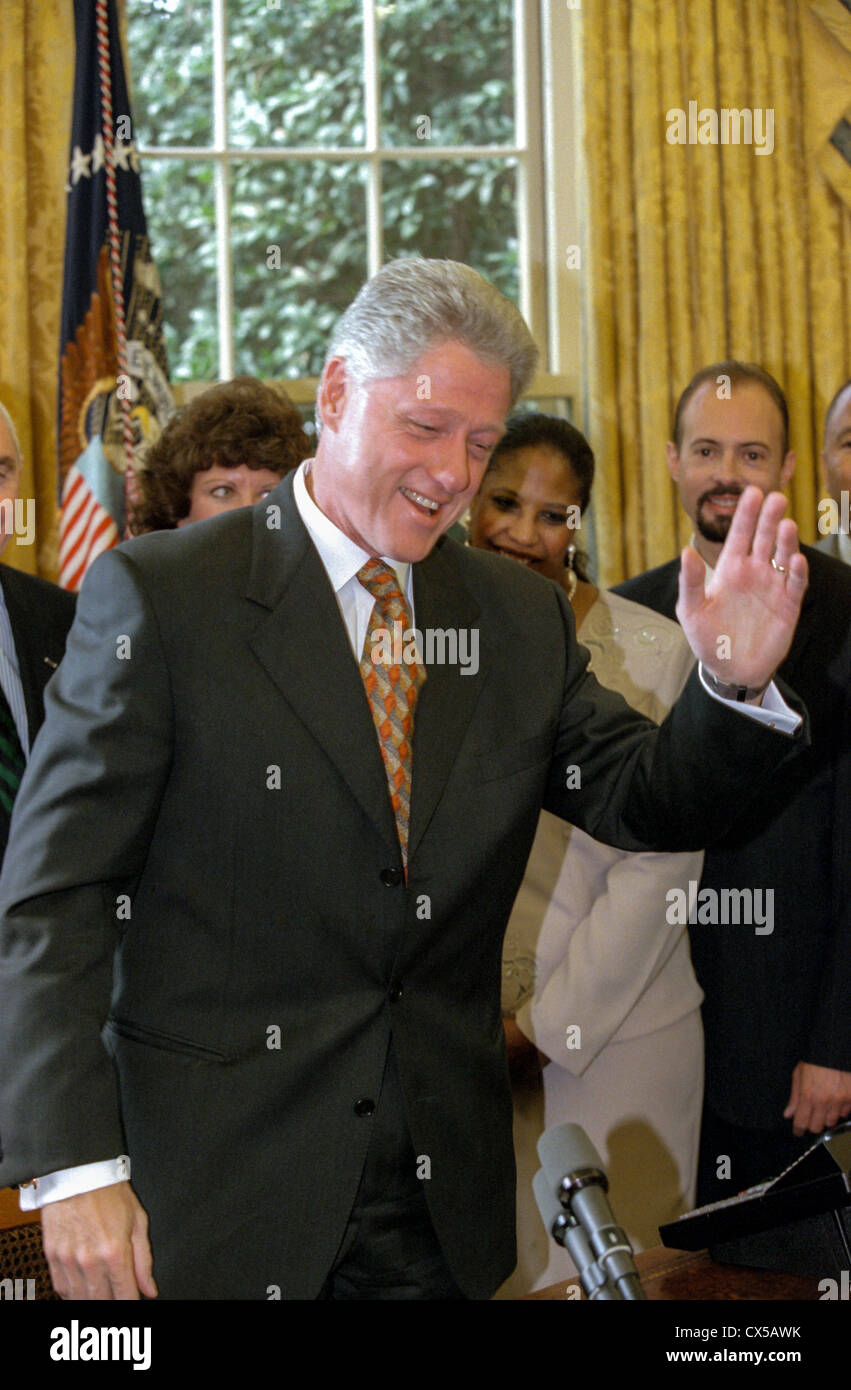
[[668, 599], [448, 698], [34, 666], [304, 648]]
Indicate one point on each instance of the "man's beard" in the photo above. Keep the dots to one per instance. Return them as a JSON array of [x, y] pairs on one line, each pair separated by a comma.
[[715, 529]]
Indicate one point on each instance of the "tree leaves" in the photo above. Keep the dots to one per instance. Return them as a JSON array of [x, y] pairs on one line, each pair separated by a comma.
[[295, 79]]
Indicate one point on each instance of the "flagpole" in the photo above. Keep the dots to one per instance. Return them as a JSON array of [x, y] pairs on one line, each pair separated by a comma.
[[114, 392]]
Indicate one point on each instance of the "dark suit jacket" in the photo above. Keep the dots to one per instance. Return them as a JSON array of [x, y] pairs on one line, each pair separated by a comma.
[[40, 614], [774, 1000], [829, 545], [223, 776]]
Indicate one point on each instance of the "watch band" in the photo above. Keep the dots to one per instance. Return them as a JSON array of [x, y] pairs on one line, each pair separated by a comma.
[[728, 690]]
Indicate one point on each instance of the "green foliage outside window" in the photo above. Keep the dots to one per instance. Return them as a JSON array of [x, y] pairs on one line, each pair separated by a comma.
[[298, 227]]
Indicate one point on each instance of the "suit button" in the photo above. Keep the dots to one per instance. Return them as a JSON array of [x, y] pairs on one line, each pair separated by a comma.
[[391, 878], [395, 994], [365, 1106]]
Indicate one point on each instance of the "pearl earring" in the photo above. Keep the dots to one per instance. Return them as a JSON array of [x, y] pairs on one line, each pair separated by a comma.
[[571, 577]]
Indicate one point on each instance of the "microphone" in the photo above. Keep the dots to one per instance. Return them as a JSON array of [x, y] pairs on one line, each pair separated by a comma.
[[573, 1172], [566, 1231]]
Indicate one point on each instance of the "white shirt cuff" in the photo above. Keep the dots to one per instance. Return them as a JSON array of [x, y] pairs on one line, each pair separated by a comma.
[[773, 711], [71, 1182]]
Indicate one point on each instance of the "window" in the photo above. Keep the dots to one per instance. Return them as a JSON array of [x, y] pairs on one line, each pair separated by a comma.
[[290, 147]]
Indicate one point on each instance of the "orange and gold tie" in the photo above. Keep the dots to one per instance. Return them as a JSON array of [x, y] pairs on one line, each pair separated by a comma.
[[391, 689]]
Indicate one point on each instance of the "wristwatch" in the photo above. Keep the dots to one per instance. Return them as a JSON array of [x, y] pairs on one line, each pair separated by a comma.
[[729, 691]]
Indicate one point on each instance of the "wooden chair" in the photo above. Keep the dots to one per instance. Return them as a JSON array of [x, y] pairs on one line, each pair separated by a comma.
[[21, 1254]]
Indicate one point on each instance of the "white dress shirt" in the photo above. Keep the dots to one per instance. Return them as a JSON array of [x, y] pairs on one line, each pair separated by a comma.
[[10, 676], [342, 559]]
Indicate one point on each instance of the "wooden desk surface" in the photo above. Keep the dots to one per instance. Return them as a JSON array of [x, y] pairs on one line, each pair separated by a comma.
[[685, 1274], [10, 1211]]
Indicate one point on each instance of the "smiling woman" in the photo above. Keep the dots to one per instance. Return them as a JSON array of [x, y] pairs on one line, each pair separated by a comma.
[[601, 1005], [531, 501], [226, 449]]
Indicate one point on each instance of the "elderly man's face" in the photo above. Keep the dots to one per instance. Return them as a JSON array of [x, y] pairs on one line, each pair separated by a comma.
[[10, 481], [836, 459], [399, 459]]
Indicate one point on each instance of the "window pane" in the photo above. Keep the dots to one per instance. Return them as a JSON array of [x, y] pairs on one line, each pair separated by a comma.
[[461, 209], [446, 72], [295, 73], [170, 47], [179, 201], [298, 232]]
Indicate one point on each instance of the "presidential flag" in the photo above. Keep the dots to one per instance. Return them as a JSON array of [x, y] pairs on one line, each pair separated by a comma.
[[114, 396]]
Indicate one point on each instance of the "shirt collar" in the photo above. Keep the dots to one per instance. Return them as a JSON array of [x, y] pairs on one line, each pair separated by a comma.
[[340, 555]]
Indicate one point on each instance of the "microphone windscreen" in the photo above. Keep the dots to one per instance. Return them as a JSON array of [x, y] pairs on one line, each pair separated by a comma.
[[548, 1203], [564, 1148]]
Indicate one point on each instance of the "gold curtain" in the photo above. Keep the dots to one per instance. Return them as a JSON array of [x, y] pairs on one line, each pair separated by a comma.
[[36, 78], [701, 252]]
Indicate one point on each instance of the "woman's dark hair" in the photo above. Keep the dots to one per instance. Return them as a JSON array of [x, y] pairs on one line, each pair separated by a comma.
[[530, 429], [239, 422]]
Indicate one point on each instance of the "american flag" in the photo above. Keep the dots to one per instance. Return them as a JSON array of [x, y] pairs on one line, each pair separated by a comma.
[[114, 395]]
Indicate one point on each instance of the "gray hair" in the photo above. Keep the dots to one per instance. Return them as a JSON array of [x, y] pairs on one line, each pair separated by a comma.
[[413, 304], [10, 424]]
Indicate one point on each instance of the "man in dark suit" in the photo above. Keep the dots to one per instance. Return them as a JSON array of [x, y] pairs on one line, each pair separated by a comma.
[[295, 943], [836, 476], [776, 1014], [34, 620]]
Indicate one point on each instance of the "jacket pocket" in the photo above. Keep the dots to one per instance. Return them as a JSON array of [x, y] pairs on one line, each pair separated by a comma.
[[169, 1042]]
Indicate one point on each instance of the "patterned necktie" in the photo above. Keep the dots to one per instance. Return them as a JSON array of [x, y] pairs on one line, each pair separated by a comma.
[[12, 760], [391, 688]]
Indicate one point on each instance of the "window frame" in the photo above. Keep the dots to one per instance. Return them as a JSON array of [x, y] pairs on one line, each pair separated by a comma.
[[547, 156]]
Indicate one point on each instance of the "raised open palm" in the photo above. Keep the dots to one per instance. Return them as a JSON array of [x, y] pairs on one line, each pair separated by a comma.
[[741, 624]]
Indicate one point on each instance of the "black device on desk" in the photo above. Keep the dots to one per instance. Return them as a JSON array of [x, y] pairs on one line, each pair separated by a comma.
[[798, 1222]]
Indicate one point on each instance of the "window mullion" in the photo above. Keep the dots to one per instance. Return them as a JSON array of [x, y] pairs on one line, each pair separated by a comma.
[[372, 109], [222, 192], [530, 194], [563, 178]]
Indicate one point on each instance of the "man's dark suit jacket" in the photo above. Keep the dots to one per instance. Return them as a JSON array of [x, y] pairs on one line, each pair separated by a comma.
[[829, 545], [210, 803], [773, 1001], [40, 615]]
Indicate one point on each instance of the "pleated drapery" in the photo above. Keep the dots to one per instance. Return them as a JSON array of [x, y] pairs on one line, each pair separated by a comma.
[[36, 79], [698, 252]]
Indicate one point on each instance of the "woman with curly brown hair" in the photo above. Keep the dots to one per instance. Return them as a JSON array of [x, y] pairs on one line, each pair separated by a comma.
[[228, 448]]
